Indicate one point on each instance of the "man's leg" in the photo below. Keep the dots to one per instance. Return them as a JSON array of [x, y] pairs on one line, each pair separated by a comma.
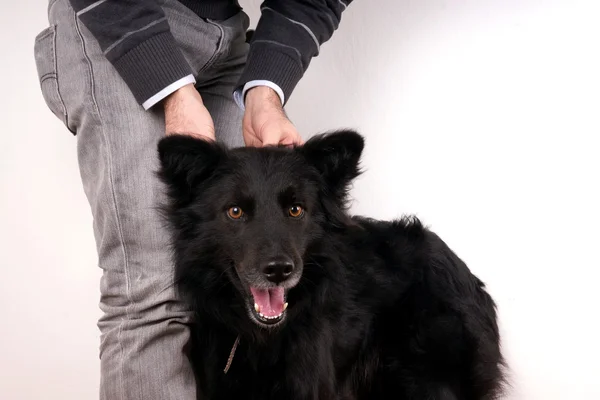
[[144, 326]]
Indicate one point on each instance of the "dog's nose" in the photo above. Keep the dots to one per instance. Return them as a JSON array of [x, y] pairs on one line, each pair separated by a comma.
[[278, 270]]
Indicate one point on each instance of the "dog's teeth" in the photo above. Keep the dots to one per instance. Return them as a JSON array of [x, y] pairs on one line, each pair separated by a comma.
[[267, 317], [257, 308], [285, 305]]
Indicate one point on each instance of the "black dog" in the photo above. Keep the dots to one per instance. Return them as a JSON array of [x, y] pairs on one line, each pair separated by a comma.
[[296, 300]]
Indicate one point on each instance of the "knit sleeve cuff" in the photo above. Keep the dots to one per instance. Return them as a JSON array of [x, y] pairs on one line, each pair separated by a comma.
[[240, 94], [152, 66], [274, 63]]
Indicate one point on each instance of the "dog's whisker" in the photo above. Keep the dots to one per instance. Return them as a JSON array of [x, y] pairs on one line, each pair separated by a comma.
[[226, 270]]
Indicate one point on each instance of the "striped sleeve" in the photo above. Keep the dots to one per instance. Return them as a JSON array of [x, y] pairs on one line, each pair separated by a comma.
[[288, 35], [135, 37]]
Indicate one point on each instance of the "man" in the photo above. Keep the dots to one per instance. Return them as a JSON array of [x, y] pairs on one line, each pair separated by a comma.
[[121, 74]]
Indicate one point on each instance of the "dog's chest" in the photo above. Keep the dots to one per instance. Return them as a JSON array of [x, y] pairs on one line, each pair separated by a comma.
[[264, 373]]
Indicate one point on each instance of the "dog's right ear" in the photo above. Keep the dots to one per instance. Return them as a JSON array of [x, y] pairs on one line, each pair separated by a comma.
[[185, 163]]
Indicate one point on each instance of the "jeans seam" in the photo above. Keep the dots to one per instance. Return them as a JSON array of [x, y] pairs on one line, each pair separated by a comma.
[[49, 75], [88, 62], [115, 207], [57, 86]]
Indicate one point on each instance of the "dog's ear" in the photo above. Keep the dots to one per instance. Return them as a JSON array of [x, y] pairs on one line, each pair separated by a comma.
[[186, 162], [336, 155]]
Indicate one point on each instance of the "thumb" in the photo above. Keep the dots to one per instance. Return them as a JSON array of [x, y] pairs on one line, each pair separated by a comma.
[[270, 137]]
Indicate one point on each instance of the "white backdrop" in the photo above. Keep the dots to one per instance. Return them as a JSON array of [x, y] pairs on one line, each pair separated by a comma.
[[481, 116]]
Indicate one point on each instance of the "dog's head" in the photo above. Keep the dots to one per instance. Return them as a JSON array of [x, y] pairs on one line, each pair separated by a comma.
[[243, 220]]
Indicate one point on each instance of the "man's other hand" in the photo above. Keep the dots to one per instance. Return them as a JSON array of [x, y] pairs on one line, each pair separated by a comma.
[[186, 114], [265, 122]]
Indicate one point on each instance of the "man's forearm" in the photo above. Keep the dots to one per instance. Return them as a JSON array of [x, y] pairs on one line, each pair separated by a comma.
[[289, 34]]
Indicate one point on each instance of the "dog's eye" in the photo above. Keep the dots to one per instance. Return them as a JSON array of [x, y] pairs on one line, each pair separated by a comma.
[[235, 212], [296, 211]]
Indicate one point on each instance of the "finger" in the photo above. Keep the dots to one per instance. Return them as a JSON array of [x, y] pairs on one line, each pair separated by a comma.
[[287, 141], [252, 141], [271, 138], [297, 140], [291, 138]]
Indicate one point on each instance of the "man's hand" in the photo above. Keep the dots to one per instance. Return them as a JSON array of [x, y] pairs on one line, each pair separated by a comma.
[[265, 122], [186, 114]]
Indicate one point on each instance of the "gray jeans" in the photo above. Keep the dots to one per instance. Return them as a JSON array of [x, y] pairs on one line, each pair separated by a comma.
[[144, 328]]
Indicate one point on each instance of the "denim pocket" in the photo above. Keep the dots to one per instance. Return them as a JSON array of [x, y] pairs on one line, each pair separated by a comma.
[[45, 60]]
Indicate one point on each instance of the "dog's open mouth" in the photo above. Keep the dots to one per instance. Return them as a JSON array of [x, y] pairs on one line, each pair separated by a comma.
[[269, 305]]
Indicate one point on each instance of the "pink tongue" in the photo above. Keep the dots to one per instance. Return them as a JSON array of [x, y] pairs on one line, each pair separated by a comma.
[[270, 301]]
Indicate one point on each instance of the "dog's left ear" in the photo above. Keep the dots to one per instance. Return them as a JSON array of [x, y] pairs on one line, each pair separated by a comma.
[[336, 155], [185, 163]]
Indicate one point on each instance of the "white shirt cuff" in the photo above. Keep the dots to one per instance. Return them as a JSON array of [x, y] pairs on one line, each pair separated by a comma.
[[168, 90], [240, 94]]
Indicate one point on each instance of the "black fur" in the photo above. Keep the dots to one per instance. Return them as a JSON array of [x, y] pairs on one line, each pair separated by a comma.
[[378, 310]]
